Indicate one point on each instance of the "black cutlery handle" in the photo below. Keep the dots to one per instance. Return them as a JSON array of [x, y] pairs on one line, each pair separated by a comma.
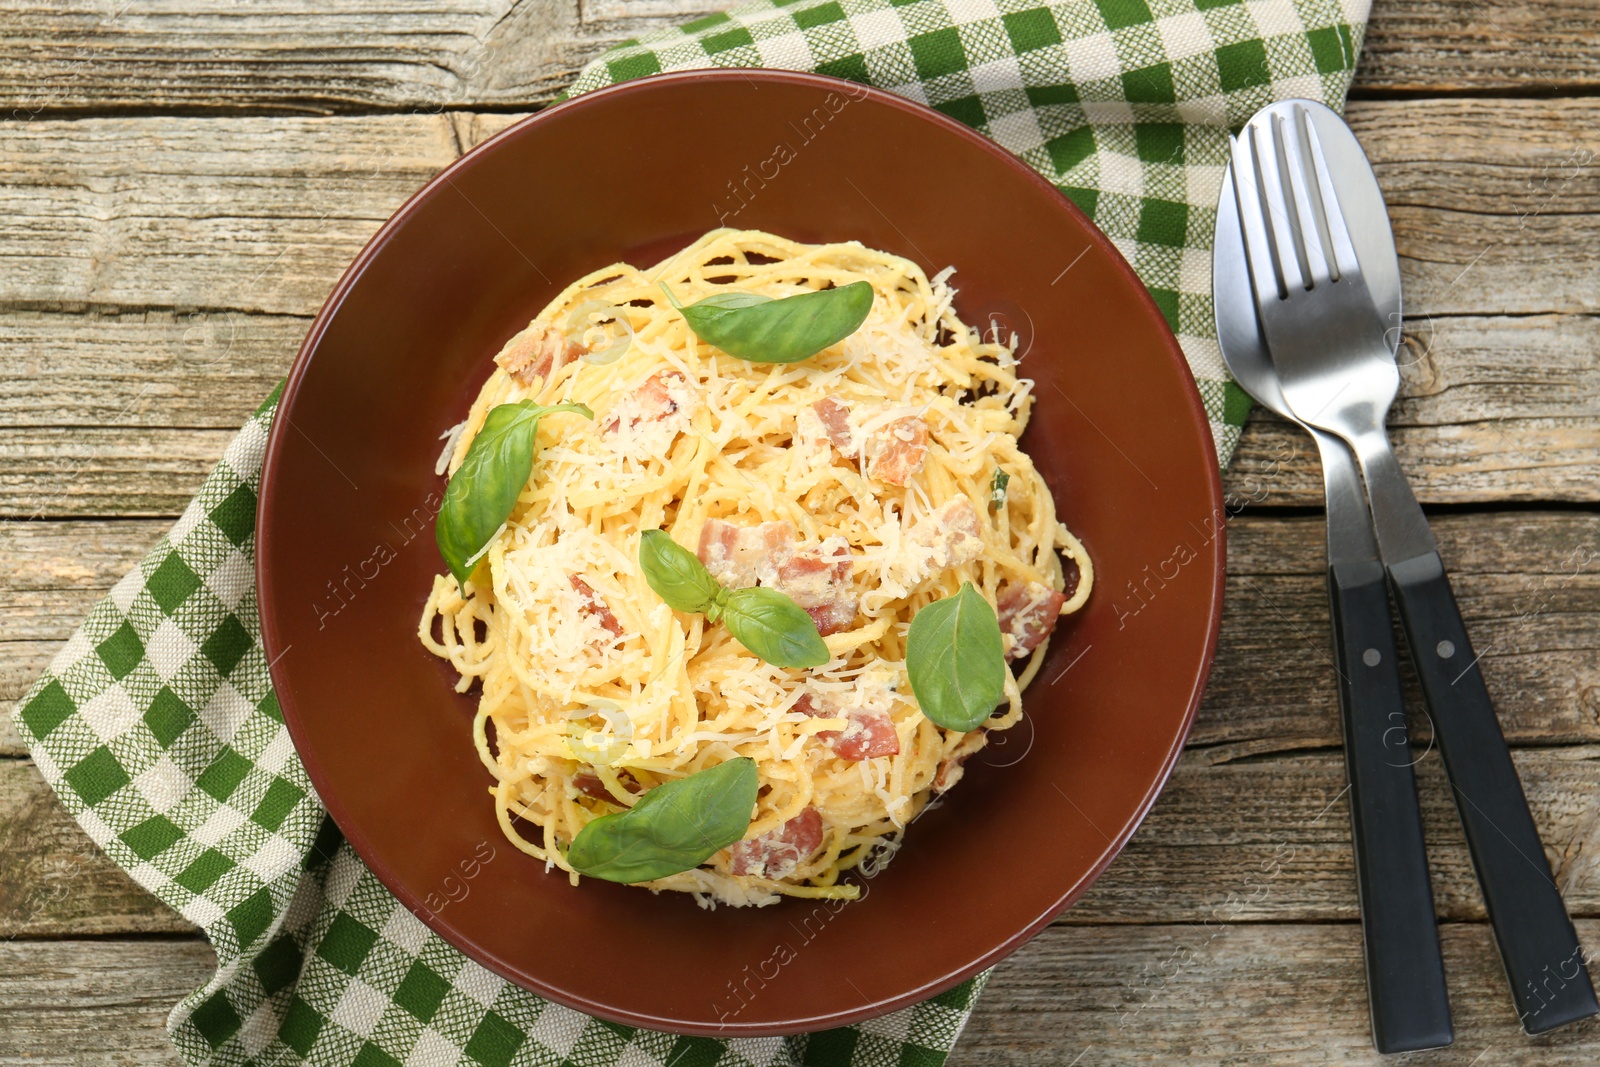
[[1543, 960], [1406, 991]]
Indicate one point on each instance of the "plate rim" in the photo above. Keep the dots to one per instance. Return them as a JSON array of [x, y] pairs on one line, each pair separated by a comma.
[[486, 956]]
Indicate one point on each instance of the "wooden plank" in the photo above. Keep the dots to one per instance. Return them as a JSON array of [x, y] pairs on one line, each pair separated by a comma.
[[1529, 585], [1504, 460], [1487, 220], [54, 882], [105, 470], [21, 663], [1208, 994], [250, 214], [1435, 46], [293, 55], [1489, 216], [1268, 693], [262, 214], [1269, 841], [82, 1003], [1454, 152], [51, 573], [143, 368], [1529, 588], [1492, 409], [1216, 829], [1174, 993], [1262, 840]]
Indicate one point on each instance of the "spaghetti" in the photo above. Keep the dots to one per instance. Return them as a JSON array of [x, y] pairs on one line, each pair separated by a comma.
[[868, 481]]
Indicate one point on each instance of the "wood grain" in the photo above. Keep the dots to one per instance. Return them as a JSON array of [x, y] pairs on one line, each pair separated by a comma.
[[1266, 840], [1436, 46], [262, 214], [201, 266], [1269, 841], [1492, 408], [20, 664], [143, 212], [1242, 994], [122, 415], [148, 368], [54, 882], [71, 1003], [291, 55], [51, 573], [103, 470], [173, 211], [1529, 586], [1257, 994]]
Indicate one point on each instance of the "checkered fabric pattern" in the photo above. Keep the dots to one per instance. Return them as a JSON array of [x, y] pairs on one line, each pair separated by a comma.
[[157, 726], [1125, 105]]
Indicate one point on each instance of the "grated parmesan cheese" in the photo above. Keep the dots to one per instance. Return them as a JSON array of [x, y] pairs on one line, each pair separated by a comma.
[[684, 433]]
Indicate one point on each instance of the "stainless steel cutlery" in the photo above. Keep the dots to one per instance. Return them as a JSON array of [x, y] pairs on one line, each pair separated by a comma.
[[1307, 294], [1405, 972]]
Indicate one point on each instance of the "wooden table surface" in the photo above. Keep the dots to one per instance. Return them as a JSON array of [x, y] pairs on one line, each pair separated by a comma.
[[182, 181]]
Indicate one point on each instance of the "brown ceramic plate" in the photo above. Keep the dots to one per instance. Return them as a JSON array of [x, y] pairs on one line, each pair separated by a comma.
[[346, 552]]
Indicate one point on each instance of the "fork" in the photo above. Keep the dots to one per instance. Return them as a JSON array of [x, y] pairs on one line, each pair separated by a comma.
[[1326, 338], [1408, 1002]]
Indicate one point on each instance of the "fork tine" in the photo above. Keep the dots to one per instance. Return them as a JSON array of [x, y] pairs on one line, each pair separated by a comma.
[[1279, 217], [1309, 220], [1344, 250], [1257, 244]]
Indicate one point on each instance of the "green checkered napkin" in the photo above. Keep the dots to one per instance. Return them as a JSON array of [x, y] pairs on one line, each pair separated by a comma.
[[157, 726]]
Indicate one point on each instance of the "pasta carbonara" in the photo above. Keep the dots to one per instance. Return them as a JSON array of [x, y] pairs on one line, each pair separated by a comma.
[[865, 482]]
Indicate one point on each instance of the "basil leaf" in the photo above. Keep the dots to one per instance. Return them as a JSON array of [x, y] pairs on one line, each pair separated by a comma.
[[956, 660], [787, 330], [997, 489], [675, 573], [485, 487], [674, 827], [724, 301], [772, 626]]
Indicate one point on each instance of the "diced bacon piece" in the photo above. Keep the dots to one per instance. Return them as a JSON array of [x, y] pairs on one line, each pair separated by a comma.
[[891, 453], [835, 419], [589, 784], [594, 606], [897, 451], [735, 555], [644, 423], [1028, 613], [655, 398], [948, 537], [834, 616], [776, 853], [658, 399], [818, 579], [956, 524], [868, 734], [817, 576], [537, 352], [868, 737]]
